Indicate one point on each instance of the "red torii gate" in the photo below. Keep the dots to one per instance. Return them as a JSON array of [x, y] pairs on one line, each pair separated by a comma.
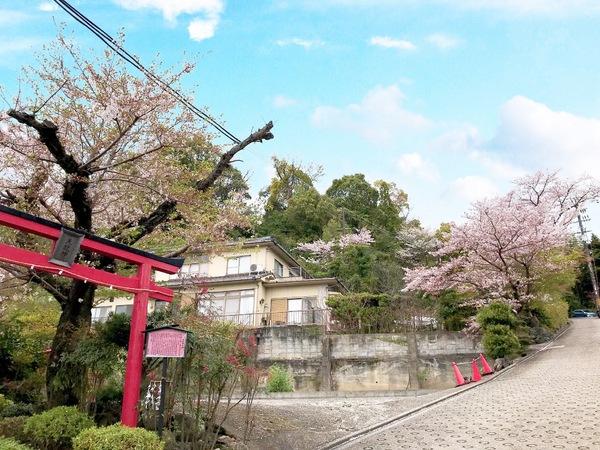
[[141, 285]]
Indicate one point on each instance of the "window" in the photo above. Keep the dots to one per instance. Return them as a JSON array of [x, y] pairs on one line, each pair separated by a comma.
[[199, 268], [278, 269], [239, 264], [101, 313], [236, 306], [294, 312], [124, 309]]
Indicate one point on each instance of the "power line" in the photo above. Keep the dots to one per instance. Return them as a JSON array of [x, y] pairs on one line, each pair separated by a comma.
[[131, 59]]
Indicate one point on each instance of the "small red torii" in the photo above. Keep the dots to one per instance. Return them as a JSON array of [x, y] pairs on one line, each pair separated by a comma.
[[141, 285]]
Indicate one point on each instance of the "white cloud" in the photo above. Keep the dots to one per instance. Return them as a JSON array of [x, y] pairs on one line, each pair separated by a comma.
[[536, 136], [415, 164], [200, 27], [474, 187], [388, 42], [307, 44], [10, 17], [17, 44], [47, 6], [379, 117], [443, 41], [282, 101]]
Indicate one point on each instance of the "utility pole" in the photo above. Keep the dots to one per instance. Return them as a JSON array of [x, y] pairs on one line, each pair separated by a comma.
[[587, 249]]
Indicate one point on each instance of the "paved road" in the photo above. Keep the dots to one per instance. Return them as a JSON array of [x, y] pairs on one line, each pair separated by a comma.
[[550, 401]]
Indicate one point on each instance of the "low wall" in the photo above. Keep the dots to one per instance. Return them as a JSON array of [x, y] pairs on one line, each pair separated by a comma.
[[366, 362]]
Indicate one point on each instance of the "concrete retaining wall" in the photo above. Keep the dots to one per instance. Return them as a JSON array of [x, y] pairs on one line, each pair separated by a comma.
[[366, 362]]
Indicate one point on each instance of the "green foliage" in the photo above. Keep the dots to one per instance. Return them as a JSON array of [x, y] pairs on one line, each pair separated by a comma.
[[117, 437], [353, 193], [497, 314], [12, 427], [362, 312], [452, 314], [500, 341], [552, 313], [27, 327], [4, 403], [279, 380], [55, 428], [18, 409], [582, 291], [11, 444], [115, 330], [107, 408], [355, 265]]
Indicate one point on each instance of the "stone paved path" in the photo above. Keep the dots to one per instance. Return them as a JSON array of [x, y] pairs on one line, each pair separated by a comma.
[[550, 401]]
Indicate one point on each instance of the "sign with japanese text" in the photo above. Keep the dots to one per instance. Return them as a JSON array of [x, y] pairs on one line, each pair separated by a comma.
[[166, 343]]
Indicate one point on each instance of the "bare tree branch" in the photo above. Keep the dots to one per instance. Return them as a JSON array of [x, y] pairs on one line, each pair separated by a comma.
[[264, 134], [48, 133]]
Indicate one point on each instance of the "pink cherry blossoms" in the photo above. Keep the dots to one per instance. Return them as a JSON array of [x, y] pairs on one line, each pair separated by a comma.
[[507, 243], [322, 249]]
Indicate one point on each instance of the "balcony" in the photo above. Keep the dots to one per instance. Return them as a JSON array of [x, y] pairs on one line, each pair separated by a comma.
[[304, 317]]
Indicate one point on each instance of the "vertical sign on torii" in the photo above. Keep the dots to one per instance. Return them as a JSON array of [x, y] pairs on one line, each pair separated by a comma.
[[61, 263]]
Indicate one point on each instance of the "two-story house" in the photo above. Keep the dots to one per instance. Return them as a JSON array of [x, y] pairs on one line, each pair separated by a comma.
[[255, 282]]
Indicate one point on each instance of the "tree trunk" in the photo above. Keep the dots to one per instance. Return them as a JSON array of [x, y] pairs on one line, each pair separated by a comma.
[[65, 382]]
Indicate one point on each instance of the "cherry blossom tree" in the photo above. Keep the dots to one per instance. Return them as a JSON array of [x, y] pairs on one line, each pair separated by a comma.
[[507, 243], [321, 249], [96, 148]]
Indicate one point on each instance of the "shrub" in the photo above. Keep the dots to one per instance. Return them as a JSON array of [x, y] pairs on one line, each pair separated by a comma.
[[107, 409], [500, 341], [497, 314], [4, 403], [11, 444], [117, 437], [12, 427], [54, 429], [18, 409], [279, 380]]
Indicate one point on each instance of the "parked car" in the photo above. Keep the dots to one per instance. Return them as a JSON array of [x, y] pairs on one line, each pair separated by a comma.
[[579, 313], [592, 313]]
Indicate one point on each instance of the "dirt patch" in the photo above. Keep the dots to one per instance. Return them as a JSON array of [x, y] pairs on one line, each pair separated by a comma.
[[310, 423]]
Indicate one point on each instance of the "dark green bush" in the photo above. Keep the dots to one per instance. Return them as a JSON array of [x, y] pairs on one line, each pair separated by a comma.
[[497, 314], [115, 330], [54, 429], [117, 437], [11, 444], [107, 409], [18, 409], [12, 427], [279, 380], [500, 341]]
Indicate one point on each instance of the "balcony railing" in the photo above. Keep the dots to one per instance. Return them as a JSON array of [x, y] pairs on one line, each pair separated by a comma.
[[304, 317]]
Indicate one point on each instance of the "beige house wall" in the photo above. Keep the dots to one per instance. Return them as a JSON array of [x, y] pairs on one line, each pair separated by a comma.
[[317, 293], [262, 256]]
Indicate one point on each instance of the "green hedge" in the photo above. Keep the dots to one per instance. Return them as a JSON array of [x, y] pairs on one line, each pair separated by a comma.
[[117, 437], [55, 428]]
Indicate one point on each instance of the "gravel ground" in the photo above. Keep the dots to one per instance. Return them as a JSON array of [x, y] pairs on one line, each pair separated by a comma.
[[303, 424]]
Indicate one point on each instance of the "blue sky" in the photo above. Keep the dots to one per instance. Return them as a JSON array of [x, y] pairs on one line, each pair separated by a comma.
[[450, 99]]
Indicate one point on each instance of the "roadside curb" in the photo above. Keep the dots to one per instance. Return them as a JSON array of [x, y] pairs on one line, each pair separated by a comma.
[[352, 436]]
